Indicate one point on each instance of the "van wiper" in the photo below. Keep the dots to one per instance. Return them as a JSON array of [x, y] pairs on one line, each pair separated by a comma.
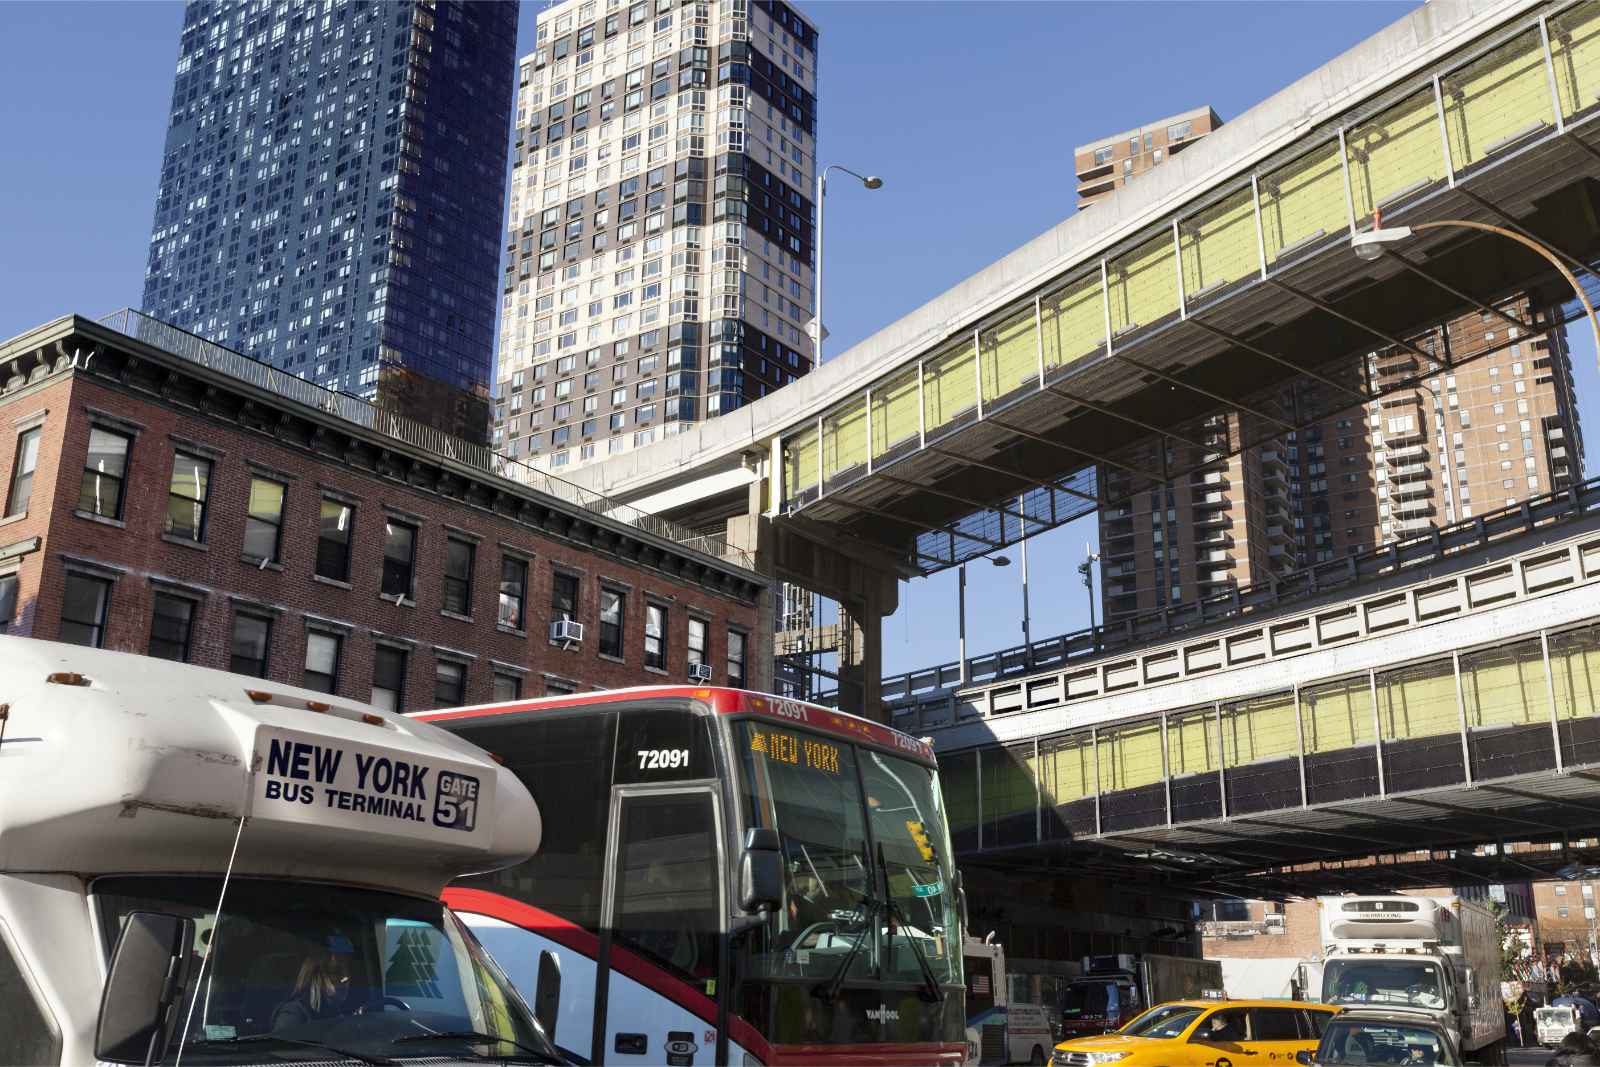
[[478, 1037], [360, 1057], [828, 991]]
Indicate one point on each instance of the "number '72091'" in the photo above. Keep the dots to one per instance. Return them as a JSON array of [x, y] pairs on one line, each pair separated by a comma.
[[663, 758]]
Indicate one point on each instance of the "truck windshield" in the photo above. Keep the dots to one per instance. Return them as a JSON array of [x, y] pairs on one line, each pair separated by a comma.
[[1383, 980], [1089, 998], [296, 968], [823, 797]]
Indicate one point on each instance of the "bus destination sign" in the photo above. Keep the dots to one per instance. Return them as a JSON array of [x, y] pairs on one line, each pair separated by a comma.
[[796, 751]]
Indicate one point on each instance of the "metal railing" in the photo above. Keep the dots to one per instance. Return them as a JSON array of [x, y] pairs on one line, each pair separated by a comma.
[[369, 416], [1341, 573]]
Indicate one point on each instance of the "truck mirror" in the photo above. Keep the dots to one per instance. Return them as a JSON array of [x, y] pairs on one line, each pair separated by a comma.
[[547, 994], [761, 871], [149, 969]]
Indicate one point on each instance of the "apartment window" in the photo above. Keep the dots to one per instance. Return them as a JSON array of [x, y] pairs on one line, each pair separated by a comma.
[[9, 584], [322, 661], [613, 612], [171, 625], [263, 526], [563, 596], [388, 678], [333, 540], [399, 557], [1561, 912], [736, 640], [655, 636], [513, 591], [507, 687], [186, 497], [449, 683], [22, 472], [83, 610], [251, 634], [1102, 156], [697, 641], [458, 556], [104, 473]]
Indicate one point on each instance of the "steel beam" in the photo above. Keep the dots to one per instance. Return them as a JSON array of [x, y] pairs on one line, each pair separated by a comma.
[[968, 501], [1233, 339], [1029, 478], [1102, 409], [1090, 456], [1458, 294], [1323, 305], [1231, 402]]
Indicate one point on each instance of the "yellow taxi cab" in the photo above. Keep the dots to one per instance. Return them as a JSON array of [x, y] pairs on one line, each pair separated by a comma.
[[1205, 1033]]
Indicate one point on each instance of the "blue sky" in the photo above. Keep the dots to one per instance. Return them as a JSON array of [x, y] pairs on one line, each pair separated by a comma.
[[968, 110]]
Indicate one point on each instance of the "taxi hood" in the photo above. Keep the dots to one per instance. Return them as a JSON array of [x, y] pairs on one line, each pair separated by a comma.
[[116, 763]]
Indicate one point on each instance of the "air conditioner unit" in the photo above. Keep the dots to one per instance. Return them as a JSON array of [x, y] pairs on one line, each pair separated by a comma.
[[700, 672], [566, 630]]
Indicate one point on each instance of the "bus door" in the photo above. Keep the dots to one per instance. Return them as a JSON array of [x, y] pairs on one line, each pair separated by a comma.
[[662, 905]]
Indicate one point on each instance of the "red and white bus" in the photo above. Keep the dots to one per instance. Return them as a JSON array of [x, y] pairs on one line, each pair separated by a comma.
[[666, 811]]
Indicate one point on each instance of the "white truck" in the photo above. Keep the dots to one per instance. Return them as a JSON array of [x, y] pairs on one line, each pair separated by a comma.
[[201, 867], [1440, 955], [999, 1029]]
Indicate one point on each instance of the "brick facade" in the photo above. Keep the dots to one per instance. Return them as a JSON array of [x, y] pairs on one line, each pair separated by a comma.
[[316, 456]]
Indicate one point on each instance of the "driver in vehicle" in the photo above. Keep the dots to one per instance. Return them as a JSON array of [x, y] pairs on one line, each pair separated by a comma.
[[321, 988]]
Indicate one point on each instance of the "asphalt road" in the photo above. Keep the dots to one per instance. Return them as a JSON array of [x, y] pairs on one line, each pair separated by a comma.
[[1530, 1057]]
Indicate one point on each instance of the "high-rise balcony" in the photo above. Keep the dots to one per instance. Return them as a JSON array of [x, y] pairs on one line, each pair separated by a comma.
[[1409, 472]]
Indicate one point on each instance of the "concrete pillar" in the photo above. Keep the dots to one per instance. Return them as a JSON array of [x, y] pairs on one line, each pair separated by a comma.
[[861, 678]]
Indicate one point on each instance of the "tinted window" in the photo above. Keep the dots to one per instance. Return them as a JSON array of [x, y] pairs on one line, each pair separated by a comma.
[[1274, 1024], [667, 905], [1227, 1025], [654, 746], [29, 1035]]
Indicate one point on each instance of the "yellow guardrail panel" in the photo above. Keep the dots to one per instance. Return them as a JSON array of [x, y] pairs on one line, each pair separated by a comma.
[[1219, 246], [1010, 355], [894, 413], [1130, 756], [844, 438], [1505, 685], [1575, 50], [1575, 669], [1008, 788], [1074, 321], [958, 783], [1143, 285], [1418, 701], [1192, 743], [1337, 714], [1303, 202], [949, 385], [1259, 729], [800, 461], [1069, 770], [1395, 153], [1497, 99]]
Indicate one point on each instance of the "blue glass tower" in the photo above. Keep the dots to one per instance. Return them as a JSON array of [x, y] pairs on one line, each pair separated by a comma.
[[331, 193]]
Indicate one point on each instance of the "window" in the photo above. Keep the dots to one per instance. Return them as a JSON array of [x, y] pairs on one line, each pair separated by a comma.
[[563, 596], [333, 540], [31, 1035], [613, 611], [388, 678], [655, 636], [667, 882], [9, 584], [250, 643], [1102, 156], [1274, 1024], [399, 554], [263, 526], [697, 641], [170, 627], [513, 591], [458, 556], [322, 661], [507, 687], [736, 639], [186, 502], [22, 472], [83, 610], [103, 474], [449, 683]]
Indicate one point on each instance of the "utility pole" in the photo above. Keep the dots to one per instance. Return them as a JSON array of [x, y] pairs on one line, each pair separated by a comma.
[[1086, 568]]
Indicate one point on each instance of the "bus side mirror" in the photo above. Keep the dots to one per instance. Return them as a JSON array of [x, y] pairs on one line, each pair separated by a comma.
[[149, 969], [761, 871], [547, 994]]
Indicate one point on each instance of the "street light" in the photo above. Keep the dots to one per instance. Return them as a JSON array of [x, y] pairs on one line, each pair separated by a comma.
[[1370, 245], [1086, 568], [869, 181], [961, 608]]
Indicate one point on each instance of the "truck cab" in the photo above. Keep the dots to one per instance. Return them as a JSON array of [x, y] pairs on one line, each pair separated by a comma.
[[201, 865]]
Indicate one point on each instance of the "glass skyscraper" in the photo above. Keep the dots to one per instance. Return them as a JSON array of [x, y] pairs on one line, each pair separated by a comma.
[[331, 193]]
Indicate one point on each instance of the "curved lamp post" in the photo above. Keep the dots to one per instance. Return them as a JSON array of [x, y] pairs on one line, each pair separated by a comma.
[[869, 181]]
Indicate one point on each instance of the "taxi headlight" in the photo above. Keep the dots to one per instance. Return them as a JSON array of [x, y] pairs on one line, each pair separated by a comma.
[[1106, 1057]]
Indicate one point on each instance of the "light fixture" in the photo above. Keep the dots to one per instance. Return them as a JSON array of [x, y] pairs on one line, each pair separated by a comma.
[[1369, 244], [872, 181], [1000, 561]]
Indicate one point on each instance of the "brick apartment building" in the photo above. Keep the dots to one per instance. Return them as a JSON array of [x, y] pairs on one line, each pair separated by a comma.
[[168, 497]]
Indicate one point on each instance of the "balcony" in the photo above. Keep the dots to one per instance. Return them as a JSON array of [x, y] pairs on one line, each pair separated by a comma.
[[1209, 480], [1214, 520], [1278, 533], [1409, 472], [1214, 558], [1418, 489], [1414, 507], [1405, 454], [1215, 538]]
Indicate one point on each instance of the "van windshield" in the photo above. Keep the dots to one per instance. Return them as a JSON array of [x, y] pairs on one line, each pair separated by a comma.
[[292, 971], [1383, 981]]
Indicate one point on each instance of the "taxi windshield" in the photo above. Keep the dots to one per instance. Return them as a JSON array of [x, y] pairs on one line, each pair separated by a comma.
[[290, 974], [1383, 981], [1167, 1021]]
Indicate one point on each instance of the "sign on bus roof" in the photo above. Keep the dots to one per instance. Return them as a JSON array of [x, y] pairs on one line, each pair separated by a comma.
[[722, 702]]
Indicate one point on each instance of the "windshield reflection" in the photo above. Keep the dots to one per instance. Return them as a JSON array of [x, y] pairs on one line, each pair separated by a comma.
[[1388, 981]]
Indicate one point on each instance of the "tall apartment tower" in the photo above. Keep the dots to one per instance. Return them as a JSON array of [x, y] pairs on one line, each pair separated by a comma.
[[331, 193], [1494, 431], [661, 227]]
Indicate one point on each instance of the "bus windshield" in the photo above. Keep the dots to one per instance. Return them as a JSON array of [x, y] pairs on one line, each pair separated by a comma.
[[293, 972], [851, 821]]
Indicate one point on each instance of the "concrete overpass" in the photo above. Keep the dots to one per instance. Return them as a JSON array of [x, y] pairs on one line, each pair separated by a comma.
[[1441, 695], [1222, 282]]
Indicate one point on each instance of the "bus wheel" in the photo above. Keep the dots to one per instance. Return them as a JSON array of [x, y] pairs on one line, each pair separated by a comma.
[[1037, 1059]]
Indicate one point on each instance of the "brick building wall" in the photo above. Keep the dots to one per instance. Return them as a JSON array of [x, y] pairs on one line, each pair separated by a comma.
[[53, 538], [1267, 930]]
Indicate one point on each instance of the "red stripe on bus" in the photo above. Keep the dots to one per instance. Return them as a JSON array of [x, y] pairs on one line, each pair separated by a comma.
[[885, 1055]]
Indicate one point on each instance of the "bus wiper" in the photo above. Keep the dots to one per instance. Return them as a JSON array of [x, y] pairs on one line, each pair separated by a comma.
[[479, 1037], [360, 1057], [828, 991], [931, 992]]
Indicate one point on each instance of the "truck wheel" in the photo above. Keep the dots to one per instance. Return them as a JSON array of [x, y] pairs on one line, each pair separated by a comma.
[[1037, 1059]]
